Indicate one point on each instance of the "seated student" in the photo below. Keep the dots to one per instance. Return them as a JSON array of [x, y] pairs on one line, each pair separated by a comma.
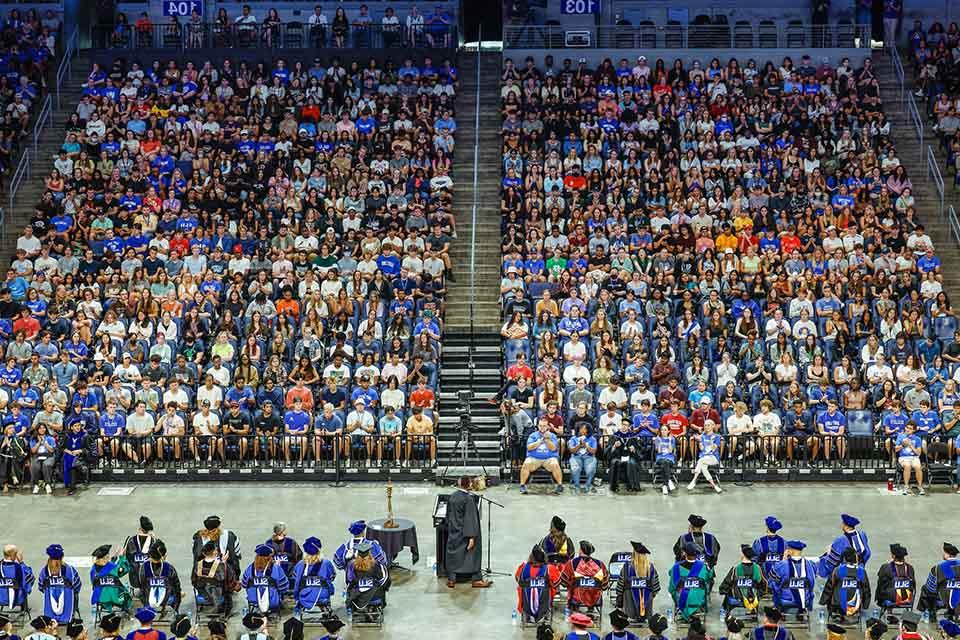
[[744, 585], [896, 580], [708, 548], [580, 624], [60, 585], [106, 575], [637, 585], [832, 429], [557, 544], [256, 625], [158, 580], [583, 459], [708, 444], [348, 549], [366, 580], [313, 578], [264, 581], [543, 451], [145, 630], [623, 454], [619, 623], [665, 450], [213, 580], [792, 580], [909, 447], [690, 581], [16, 579], [770, 628], [942, 588], [847, 591], [537, 584], [585, 578], [770, 547]]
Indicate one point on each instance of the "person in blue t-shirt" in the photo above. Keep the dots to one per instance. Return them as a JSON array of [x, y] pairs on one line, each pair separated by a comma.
[[296, 422], [583, 459], [927, 422], [113, 425], [543, 451], [909, 449], [894, 423], [832, 428], [665, 448]]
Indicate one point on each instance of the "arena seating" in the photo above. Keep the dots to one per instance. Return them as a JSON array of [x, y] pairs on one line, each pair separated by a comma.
[[255, 233], [743, 228], [936, 66]]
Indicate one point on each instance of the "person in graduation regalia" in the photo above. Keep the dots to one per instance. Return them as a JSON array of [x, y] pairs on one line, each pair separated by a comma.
[[366, 579], [106, 579], [60, 585], [846, 592], [76, 631], [690, 581], [875, 629], [77, 454], [557, 544], [792, 580], [464, 550], [332, 626], [771, 627], [145, 631], [707, 545], [658, 624], [213, 579], [286, 550], [908, 627], [137, 548], [218, 629], [734, 628], [744, 584], [537, 584], [110, 626], [313, 578], [849, 538], [585, 578], [16, 578], [293, 629], [159, 581], [942, 587], [255, 624], [637, 585], [619, 622], [770, 547], [44, 628], [896, 580], [346, 551], [6, 629], [948, 629], [228, 545], [182, 627], [697, 630], [580, 624], [264, 581]]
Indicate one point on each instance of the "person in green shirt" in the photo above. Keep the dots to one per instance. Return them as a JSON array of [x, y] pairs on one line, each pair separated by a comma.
[[690, 581], [556, 265], [109, 591]]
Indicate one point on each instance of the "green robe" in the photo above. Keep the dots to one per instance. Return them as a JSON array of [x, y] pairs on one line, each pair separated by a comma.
[[108, 588], [689, 586]]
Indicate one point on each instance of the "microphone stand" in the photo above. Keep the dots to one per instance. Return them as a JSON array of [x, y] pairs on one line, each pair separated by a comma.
[[487, 571]]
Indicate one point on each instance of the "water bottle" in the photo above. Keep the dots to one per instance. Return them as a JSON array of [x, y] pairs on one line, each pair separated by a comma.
[[93, 612], [723, 613], [669, 615], [822, 617], [349, 614], [926, 617], [566, 612], [513, 618], [876, 613]]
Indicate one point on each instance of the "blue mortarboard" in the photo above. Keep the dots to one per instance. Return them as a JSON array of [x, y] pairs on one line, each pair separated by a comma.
[[264, 550], [691, 549], [312, 546], [950, 628], [773, 524], [145, 615], [55, 551], [849, 520], [800, 545], [358, 527]]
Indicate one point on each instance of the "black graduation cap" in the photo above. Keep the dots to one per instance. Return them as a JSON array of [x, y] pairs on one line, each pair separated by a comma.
[[181, 625], [898, 551], [556, 522], [658, 624], [587, 548], [834, 630], [208, 547], [74, 628], [950, 549], [618, 619], [211, 522], [544, 631], [733, 624], [876, 628], [696, 521], [333, 624], [772, 614], [253, 620], [748, 551], [909, 621], [696, 629], [41, 622], [158, 550], [691, 549], [111, 622], [146, 523], [639, 547], [538, 554], [217, 627], [101, 552], [293, 629]]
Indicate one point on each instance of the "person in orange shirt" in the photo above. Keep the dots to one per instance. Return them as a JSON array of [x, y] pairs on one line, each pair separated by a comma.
[[422, 396], [286, 305], [301, 392], [726, 240]]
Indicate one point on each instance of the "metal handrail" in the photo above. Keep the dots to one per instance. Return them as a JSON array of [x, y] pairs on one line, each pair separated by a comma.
[[933, 172], [897, 67], [21, 173], [65, 70], [954, 223], [914, 114], [473, 207], [43, 118]]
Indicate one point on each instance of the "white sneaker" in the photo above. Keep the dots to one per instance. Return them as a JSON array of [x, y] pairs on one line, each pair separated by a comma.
[[664, 490], [692, 485], [717, 488], [671, 485], [922, 492], [36, 489], [48, 489]]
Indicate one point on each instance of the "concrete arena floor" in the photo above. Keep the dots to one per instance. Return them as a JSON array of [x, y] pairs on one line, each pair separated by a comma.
[[421, 605]]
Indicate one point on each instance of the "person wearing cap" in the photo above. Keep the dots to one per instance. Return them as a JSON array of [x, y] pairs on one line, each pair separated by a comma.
[[106, 580], [580, 624], [348, 549], [619, 623], [145, 616], [136, 549], [941, 590], [314, 578], [332, 625], [909, 622], [896, 580], [744, 584], [637, 585], [158, 580], [264, 581], [45, 628], [948, 629], [792, 580], [463, 553], [846, 593], [213, 580], [585, 578], [771, 627], [181, 628], [850, 538], [225, 541], [110, 626], [691, 580], [770, 547], [875, 629], [537, 585], [367, 581], [707, 545], [255, 624], [16, 579], [60, 585], [286, 550], [6, 628]]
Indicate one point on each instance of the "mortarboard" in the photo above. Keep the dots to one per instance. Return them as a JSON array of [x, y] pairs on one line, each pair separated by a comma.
[[158, 550], [586, 548], [357, 527], [578, 619], [4, 621], [110, 622], [639, 547], [74, 628], [101, 552], [217, 627], [146, 524], [950, 549], [898, 551], [748, 551], [849, 554], [55, 552], [696, 521], [556, 522], [332, 625], [181, 625], [293, 629], [909, 621], [544, 632], [312, 546], [363, 549], [696, 628], [658, 624], [733, 624], [773, 524], [799, 545], [145, 615], [211, 522], [876, 628], [618, 619], [772, 614], [691, 549], [836, 632], [253, 620], [849, 520], [41, 622], [208, 547], [264, 550], [950, 628]]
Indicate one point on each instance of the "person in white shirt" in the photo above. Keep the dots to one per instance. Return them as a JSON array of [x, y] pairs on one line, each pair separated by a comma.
[[573, 371], [318, 27], [777, 325], [609, 420], [726, 371], [741, 424], [767, 424], [613, 393], [574, 351], [210, 392], [640, 394], [360, 425], [176, 395], [879, 371], [206, 430], [172, 426], [140, 425], [804, 326]]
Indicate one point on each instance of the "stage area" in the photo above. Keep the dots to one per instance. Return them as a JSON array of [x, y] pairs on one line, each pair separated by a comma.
[[420, 605]]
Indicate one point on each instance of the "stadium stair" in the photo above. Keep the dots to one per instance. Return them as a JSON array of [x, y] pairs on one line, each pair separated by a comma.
[[487, 273], [28, 195], [455, 375], [914, 158]]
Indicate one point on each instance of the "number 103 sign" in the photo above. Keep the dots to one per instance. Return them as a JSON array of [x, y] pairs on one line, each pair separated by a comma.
[[579, 6]]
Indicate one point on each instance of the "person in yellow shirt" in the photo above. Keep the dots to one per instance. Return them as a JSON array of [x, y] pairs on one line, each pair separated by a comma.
[[726, 240], [420, 424]]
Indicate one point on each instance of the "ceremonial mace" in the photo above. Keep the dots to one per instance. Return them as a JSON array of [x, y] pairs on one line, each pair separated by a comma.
[[390, 523]]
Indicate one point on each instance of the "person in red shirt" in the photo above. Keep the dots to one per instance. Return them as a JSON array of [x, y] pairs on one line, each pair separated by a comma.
[[422, 396], [585, 578], [677, 423], [789, 242], [26, 323], [575, 181], [519, 369], [301, 392]]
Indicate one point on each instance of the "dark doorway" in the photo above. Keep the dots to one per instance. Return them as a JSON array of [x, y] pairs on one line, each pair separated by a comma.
[[474, 13]]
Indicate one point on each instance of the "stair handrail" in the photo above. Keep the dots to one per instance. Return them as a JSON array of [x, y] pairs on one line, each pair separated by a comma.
[[914, 114], [65, 69], [473, 214], [954, 223], [897, 67], [21, 173], [933, 172], [44, 118]]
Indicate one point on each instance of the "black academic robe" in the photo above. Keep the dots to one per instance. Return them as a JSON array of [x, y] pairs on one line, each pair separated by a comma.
[[137, 551], [228, 545], [463, 523], [896, 585]]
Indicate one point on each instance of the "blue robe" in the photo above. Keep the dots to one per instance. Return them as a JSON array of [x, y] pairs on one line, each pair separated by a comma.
[[146, 634], [286, 554], [831, 560], [74, 441], [345, 553], [792, 582], [265, 589], [16, 583], [313, 585], [61, 593], [770, 551]]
